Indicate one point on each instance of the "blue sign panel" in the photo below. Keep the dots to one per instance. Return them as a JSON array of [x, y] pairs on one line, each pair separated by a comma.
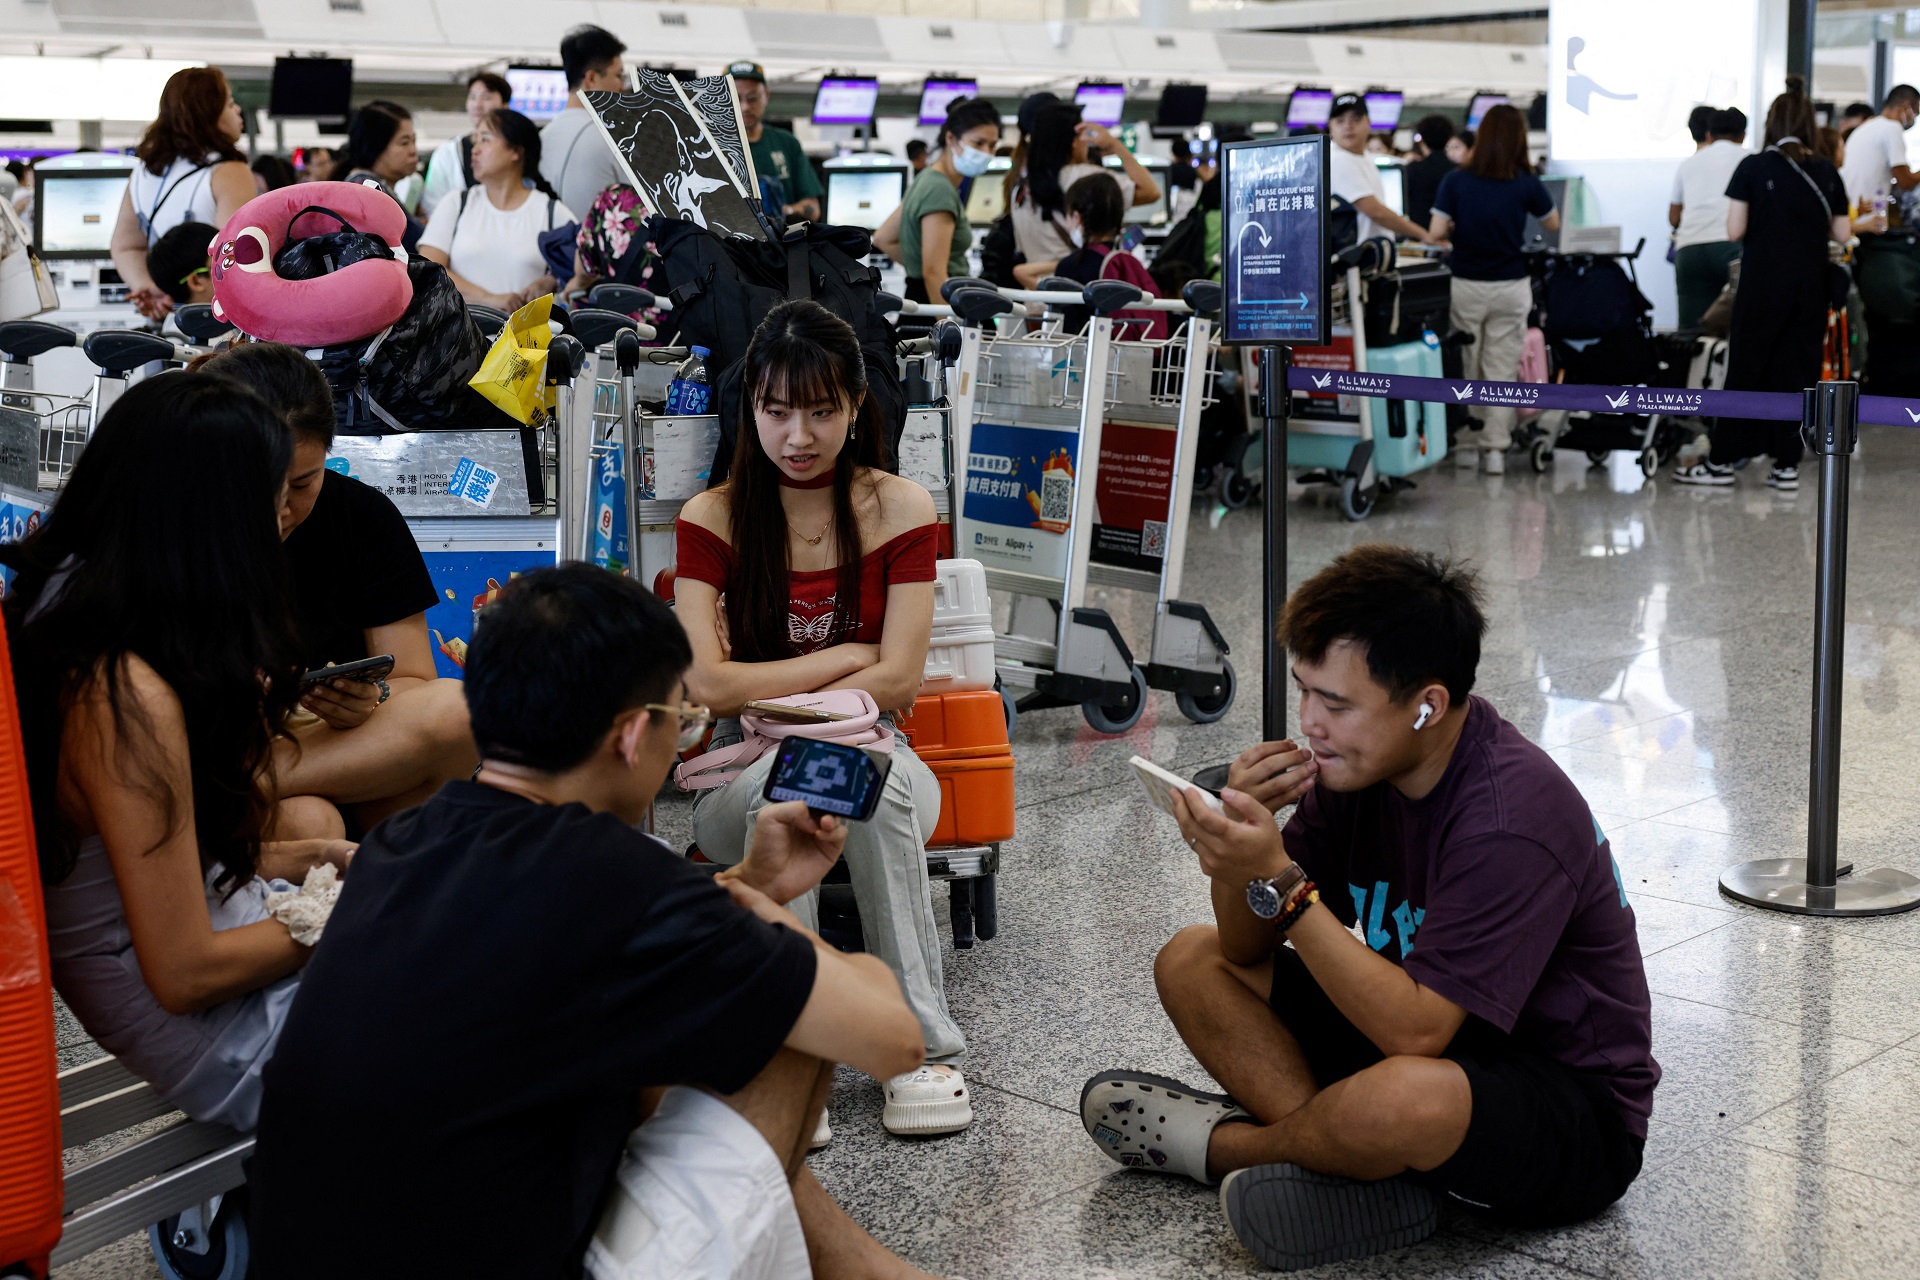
[[1273, 241]]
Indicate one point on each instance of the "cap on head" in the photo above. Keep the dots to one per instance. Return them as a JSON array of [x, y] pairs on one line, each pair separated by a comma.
[[1345, 103], [747, 70]]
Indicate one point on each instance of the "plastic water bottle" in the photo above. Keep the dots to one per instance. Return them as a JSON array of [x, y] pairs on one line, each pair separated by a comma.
[[690, 394]]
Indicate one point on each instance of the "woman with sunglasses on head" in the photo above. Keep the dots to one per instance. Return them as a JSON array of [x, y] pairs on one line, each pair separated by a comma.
[[813, 568], [929, 235]]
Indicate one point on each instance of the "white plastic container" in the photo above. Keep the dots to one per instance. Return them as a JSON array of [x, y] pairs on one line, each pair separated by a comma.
[[960, 654]]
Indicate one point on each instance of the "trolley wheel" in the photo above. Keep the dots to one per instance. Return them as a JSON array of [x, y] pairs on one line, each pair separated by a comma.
[[986, 907], [1121, 714], [227, 1255], [1236, 489], [1541, 455], [1356, 503], [1207, 710], [1649, 462], [1011, 707], [1598, 457]]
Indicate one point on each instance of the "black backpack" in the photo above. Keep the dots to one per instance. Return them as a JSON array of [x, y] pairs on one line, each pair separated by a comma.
[[1187, 242], [998, 254], [723, 288]]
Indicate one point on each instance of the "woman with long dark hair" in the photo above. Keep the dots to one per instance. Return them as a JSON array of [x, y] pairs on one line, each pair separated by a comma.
[[813, 568], [1483, 209], [358, 586], [1063, 150], [929, 235], [382, 151], [488, 236], [1783, 207], [190, 170], [155, 658]]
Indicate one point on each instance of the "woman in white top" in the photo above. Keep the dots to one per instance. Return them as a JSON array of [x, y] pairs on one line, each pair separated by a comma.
[[189, 171], [1063, 150], [488, 237]]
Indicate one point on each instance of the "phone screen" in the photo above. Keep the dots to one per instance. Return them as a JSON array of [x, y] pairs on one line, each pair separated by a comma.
[[826, 776]]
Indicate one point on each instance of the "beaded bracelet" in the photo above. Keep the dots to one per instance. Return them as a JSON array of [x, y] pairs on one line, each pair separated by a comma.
[[1298, 905]]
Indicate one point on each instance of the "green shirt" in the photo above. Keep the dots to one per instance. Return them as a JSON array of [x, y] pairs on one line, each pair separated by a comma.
[[931, 192], [779, 155]]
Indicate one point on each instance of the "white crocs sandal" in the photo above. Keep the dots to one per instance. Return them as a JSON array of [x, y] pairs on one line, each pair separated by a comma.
[[931, 1100], [822, 1132], [1150, 1122]]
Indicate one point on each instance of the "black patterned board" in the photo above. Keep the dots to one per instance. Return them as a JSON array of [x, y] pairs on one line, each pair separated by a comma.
[[672, 160], [719, 107]]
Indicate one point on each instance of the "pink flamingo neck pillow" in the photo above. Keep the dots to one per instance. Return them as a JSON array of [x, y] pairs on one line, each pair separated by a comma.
[[354, 302]]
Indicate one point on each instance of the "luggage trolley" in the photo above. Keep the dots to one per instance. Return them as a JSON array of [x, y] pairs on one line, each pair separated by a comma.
[[1030, 417], [43, 432]]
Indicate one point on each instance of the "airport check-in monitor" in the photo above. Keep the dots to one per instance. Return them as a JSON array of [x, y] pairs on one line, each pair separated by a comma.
[[1394, 178], [846, 100], [1383, 109], [1309, 108], [936, 95], [539, 93], [74, 210], [864, 197], [987, 198], [1481, 104], [1101, 103]]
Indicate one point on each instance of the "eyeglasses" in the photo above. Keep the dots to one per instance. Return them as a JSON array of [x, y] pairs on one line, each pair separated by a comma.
[[693, 719], [197, 271]]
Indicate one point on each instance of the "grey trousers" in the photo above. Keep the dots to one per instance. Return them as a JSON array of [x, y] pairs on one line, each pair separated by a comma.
[[887, 865], [1495, 313]]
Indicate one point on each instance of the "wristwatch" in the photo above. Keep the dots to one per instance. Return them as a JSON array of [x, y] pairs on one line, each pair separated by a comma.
[[1264, 897]]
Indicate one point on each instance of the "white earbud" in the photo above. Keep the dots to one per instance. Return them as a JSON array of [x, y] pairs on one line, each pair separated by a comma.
[[1426, 714]]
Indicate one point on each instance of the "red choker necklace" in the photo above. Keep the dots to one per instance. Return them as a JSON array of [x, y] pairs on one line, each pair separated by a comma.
[[818, 482]]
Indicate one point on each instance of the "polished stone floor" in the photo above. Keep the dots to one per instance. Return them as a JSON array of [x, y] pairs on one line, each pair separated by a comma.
[[1658, 641]]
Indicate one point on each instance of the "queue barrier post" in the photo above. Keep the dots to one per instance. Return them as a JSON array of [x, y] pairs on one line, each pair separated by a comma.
[[1274, 402], [1814, 885]]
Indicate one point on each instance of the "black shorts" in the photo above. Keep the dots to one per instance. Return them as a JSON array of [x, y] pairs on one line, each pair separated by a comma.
[[1547, 1145]]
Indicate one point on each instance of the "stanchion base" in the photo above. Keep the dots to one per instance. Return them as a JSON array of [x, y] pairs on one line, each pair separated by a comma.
[[1212, 778], [1780, 884]]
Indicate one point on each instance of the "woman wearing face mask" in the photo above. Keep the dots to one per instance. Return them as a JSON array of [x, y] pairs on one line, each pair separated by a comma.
[[929, 235], [813, 568]]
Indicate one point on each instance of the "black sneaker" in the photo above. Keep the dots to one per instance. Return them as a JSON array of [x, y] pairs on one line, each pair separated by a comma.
[[1786, 479], [1292, 1218], [1704, 472]]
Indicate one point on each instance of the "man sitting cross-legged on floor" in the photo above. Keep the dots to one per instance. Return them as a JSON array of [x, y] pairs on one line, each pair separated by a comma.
[[1488, 1039], [513, 975]]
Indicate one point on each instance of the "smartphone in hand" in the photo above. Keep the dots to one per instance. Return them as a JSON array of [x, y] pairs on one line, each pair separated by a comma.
[[828, 777], [366, 671]]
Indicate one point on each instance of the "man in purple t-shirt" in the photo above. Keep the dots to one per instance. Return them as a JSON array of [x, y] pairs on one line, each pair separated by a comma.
[[1428, 983]]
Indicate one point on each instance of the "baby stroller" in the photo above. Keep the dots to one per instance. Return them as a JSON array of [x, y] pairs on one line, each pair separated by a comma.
[[1599, 332]]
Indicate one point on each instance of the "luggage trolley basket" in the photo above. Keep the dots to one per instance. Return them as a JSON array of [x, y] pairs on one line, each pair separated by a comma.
[[43, 432], [1599, 331], [1078, 453]]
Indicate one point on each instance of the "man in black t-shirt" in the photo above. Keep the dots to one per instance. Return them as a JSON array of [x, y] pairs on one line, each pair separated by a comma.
[[1422, 176], [514, 975]]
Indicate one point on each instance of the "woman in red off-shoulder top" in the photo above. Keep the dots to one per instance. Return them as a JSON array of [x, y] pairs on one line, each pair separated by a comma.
[[812, 568]]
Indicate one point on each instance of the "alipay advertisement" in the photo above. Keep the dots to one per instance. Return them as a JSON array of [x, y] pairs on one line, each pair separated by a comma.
[[1018, 504]]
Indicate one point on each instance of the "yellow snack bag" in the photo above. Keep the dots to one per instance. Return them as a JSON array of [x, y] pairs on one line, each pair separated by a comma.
[[514, 374]]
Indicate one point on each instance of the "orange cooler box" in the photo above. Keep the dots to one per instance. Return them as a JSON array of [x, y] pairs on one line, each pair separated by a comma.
[[962, 737]]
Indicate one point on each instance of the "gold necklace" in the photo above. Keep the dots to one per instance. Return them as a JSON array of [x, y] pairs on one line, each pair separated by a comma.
[[816, 539]]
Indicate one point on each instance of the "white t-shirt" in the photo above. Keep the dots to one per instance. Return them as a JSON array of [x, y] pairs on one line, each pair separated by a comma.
[[1042, 239], [176, 196], [1872, 151], [1354, 177], [1700, 189], [497, 249]]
